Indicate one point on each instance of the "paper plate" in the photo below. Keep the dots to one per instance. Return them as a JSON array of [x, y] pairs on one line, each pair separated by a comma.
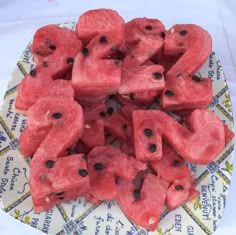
[[200, 216]]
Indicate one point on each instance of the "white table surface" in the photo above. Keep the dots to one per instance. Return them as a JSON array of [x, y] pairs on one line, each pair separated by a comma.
[[19, 19]]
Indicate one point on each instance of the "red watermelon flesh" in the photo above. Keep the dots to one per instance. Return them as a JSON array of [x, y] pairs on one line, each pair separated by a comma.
[[90, 198], [63, 116], [136, 75], [46, 191], [183, 89], [104, 164], [147, 137], [193, 41], [93, 134], [52, 39], [95, 112], [229, 135], [146, 210], [70, 164], [29, 142], [200, 143], [56, 64], [187, 92], [180, 192], [31, 89], [99, 22], [171, 166], [105, 73], [127, 109], [91, 100], [118, 126]]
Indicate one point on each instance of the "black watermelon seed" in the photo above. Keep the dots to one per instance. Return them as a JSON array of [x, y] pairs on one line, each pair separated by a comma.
[[83, 172], [196, 79], [157, 75], [103, 39], [148, 132], [98, 166], [33, 72], [152, 148], [56, 115], [162, 34], [60, 193], [180, 44], [169, 93], [183, 32], [136, 194], [125, 126], [53, 47], [70, 60], [176, 163], [179, 187], [102, 114], [61, 198], [49, 163], [110, 111], [131, 96], [85, 51], [148, 27]]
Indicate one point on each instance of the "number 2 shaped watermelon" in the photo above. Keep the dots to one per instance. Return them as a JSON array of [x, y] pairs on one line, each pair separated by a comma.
[[183, 89]]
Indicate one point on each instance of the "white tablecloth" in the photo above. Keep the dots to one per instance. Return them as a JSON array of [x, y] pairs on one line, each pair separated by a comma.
[[20, 19]]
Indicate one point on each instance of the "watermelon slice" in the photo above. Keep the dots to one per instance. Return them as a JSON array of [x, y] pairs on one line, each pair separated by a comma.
[[99, 22], [181, 191], [52, 64], [105, 163], [104, 29], [200, 143], [72, 180], [93, 134], [143, 206], [146, 36], [57, 116], [183, 88], [171, 166]]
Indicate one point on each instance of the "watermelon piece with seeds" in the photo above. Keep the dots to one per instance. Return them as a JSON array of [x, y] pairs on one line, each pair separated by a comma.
[[99, 22], [105, 163], [137, 76], [183, 88], [54, 64], [200, 143], [143, 206], [181, 191], [171, 166]]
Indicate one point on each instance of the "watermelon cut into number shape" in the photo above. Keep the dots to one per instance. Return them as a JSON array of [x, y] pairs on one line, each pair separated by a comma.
[[183, 88], [54, 64], [201, 143], [137, 76], [99, 22], [143, 206], [57, 116], [105, 33], [105, 163]]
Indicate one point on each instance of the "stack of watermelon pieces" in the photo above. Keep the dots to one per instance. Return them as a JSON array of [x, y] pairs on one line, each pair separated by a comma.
[[98, 107]]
